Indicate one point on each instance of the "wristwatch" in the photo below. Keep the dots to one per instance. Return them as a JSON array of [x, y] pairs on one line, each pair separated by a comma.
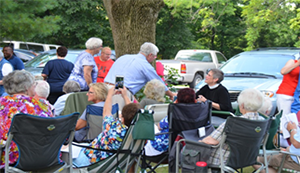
[[292, 130]]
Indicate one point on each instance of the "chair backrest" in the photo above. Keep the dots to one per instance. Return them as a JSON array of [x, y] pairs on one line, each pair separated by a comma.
[[39, 139], [123, 160], [160, 111], [244, 138], [187, 116], [76, 102], [94, 117], [274, 127]]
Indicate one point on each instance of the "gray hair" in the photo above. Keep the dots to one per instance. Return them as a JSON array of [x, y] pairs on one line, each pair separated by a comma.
[[217, 74], [93, 43], [148, 48], [42, 89], [155, 90], [100, 90], [251, 98], [18, 81], [71, 86], [266, 106]]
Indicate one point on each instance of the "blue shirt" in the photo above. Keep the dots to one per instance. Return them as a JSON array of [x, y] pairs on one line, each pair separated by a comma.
[[135, 68], [16, 62], [84, 59]]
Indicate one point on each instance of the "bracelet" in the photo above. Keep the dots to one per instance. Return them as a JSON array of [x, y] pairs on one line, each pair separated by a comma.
[[292, 130]]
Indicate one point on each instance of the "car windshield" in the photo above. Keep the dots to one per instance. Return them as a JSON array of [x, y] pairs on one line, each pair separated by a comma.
[[198, 56], [41, 60], [256, 65]]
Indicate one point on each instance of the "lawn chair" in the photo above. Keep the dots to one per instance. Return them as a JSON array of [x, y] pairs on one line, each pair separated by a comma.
[[160, 111], [244, 138], [282, 162], [39, 140], [76, 102], [181, 117], [94, 120], [130, 149]]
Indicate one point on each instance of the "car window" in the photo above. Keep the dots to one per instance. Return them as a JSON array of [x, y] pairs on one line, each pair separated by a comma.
[[35, 48], [52, 47], [221, 58], [267, 64], [197, 56], [23, 56]]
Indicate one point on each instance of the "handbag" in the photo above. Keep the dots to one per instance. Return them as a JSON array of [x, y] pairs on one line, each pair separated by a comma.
[[144, 125]]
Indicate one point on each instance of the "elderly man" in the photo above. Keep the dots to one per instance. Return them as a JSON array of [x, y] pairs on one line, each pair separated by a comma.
[[5, 68], [9, 55], [249, 100], [137, 71], [103, 63]]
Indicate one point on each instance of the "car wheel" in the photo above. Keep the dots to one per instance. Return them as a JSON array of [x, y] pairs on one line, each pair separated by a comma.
[[196, 80]]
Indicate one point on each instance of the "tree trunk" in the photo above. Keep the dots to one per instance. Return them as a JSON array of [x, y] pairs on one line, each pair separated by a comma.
[[133, 22]]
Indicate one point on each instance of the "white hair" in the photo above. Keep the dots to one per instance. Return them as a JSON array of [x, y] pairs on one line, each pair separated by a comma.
[[266, 107], [42, 89], [148, 48], [251, 98], [93, 43]]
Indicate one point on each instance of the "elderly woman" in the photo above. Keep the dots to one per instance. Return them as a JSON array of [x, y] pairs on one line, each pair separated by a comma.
[[215, 92], [249, 100], [154, 92], [69, 87], [97, 94], [85, 70], [42, 90], [20, 85]]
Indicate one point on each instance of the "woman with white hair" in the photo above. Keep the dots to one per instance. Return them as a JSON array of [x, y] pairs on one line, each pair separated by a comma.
[[154, 92], [85, 70], [42, 91]]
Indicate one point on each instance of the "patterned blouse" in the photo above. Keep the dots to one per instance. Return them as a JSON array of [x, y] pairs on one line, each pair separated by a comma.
[[109, 139], [11, 105], [161, 142]]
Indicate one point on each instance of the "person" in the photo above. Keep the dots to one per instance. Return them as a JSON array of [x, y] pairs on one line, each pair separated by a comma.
[[5, 69], [215, 92], [290, 162], [104, 63], [161, 142], [69, 87], [85, 70], [154, 92], [267, 106], [160, 70], [42, 90], [114, 130], [9, 55], [97, 94], [249, 101], [137, 71], [286, 89], [56, 72], [20, 85]]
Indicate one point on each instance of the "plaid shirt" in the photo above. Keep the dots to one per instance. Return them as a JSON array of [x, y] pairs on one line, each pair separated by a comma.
[[217, 134]]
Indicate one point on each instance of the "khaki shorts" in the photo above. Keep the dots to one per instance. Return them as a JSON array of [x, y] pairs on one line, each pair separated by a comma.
[[276, 161]]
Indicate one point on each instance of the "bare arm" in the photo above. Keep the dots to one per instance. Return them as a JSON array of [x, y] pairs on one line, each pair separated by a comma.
[[44, 76], [289, 66], [210, 141], [170, 94], [80, 124], [87, 70], [213, 104], [290, 126]]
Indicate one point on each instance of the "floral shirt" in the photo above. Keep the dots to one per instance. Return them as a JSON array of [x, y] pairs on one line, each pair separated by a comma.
[[109, 139], [161, 142], [11, 105]]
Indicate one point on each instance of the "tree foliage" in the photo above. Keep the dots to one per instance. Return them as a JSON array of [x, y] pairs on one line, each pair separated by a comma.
[[23, 19]]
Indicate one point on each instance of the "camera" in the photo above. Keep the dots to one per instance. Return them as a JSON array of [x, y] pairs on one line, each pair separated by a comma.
[[119, 82]]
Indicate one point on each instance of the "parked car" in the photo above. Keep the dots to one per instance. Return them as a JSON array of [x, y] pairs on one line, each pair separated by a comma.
[[192, 65], [24, 55], [258, 69], [36, 47]]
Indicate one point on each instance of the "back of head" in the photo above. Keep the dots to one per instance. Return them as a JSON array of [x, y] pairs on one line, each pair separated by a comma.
[[266, 106], [93, 43], [148, 48], [155, 90], [62, 51], [100, 90], [186, 95], [129, 111], [251, 98], [18, 81], [42, 89], [217, 74], [71, 86]]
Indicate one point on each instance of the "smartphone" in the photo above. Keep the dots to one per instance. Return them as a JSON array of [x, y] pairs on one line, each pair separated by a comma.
[[119, 82]]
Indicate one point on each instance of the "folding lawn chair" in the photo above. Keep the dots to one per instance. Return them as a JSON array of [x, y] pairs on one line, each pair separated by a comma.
[[244, 138], [282, 162], [181, 117], [131, 147], [160, 111], [39, 141], [76, 102]]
